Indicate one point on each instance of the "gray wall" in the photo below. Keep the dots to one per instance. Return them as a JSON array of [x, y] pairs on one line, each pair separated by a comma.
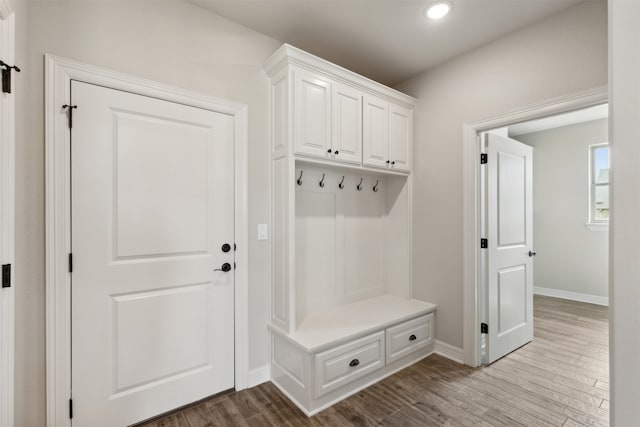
[[570, 257], [560, 55], [172, 42]]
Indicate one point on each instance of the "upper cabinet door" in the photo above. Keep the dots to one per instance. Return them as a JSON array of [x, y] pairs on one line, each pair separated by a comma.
[[375, 142], [313, 115], [347, 124], [400, 128]]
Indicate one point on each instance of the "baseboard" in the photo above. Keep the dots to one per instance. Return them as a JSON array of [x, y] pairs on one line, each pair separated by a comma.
[[258, 376], [573, 296], [450, 352]]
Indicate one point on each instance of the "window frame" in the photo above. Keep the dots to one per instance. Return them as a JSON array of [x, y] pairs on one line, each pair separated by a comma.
[[598, 223]]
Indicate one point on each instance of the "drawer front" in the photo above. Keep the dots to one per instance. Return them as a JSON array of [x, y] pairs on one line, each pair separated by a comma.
[[341, 365], [408, 337]]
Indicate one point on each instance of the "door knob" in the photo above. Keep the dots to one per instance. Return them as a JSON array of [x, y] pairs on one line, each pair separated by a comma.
[[532, 254], [226, 247], [226, 267]]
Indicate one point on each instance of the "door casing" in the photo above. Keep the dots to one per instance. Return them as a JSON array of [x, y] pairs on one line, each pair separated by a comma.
[[471, 200], [59, 72]]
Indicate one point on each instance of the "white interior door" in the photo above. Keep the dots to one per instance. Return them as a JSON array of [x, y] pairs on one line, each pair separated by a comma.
[[510, 233], [152, 206]]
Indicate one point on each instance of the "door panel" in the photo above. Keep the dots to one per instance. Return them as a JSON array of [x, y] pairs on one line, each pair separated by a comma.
[[400, 129], [347, 124], [313, 115], [152, 204], [510, 232], [375, 142]]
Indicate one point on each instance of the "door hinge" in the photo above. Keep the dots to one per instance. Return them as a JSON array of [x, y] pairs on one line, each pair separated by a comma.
[[484, 243], [70, 109], [484, 328], [70, 408], [6, 275], [6, 76], [70, 263], [483, 159]]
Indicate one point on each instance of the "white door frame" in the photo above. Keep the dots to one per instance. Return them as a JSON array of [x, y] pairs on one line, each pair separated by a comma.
[[58, 75], [7, 216], [471, 199]]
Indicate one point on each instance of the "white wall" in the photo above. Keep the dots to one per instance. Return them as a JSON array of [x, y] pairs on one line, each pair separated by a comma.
[[570, 257], [560, 55], [624, 134], [172, 42]]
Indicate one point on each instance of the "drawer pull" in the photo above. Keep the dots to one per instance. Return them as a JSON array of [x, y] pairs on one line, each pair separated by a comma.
[[412, 337], [354, 362]]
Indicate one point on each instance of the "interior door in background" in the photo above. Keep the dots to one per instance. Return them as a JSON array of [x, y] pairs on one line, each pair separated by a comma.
[[509, 289], [152, 206]]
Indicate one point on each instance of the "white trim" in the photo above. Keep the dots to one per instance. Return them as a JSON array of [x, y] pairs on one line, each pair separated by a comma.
[[58, 75], [471, 180], [7, 221], [573, 296], [450, 352], [597, 226], [259, 376], [288, 54]]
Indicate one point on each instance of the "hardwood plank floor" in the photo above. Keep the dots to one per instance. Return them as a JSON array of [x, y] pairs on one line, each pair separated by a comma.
[[559, 379]]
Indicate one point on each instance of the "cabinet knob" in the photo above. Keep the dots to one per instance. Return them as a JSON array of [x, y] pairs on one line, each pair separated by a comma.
[[388, 161], [354, 362], [336, 152], [329, 151], [393, 163], [412, 338]]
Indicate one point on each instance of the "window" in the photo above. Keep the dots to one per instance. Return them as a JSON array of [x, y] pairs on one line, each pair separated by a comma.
[[599, 184]]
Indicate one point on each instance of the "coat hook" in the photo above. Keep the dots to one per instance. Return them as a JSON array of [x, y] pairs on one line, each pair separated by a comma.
[[359, 187], [341, 185], [321, 183], [375, 187], [299, 181]]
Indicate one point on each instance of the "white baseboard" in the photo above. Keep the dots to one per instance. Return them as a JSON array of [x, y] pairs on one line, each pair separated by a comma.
[[450, 352], [573, 296], [258, 376]]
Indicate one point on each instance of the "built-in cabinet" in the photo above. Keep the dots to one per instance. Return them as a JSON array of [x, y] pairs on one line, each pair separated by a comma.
[[342, 313]]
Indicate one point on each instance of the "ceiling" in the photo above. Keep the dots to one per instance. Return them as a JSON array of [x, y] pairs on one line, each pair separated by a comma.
[[574, 117], [386, 40]]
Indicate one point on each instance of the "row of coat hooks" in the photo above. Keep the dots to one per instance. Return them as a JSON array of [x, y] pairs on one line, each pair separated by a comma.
[[359, 187]]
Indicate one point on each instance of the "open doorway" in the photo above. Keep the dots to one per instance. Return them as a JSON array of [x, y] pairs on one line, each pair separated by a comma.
[[548, 193]]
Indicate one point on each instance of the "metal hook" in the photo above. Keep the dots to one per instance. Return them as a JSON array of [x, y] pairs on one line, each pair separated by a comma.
[[299, 181], [359, 187], [321, 183], [375, 187], [341, 185]]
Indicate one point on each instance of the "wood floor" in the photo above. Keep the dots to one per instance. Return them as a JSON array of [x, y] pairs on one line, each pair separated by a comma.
[[559, 379]]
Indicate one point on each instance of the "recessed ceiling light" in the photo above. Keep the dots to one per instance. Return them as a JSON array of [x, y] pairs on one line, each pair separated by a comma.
[[438, 10]]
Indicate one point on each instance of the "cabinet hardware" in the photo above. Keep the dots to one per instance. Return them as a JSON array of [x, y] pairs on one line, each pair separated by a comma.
[[336, 152], [532, 254], [354, 362], [329, 151], [388, 161], [412, 338], [321, 183], [484, 328], [393, 163]]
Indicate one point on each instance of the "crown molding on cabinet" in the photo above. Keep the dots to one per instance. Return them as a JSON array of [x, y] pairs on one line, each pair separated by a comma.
[[288, 54]]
